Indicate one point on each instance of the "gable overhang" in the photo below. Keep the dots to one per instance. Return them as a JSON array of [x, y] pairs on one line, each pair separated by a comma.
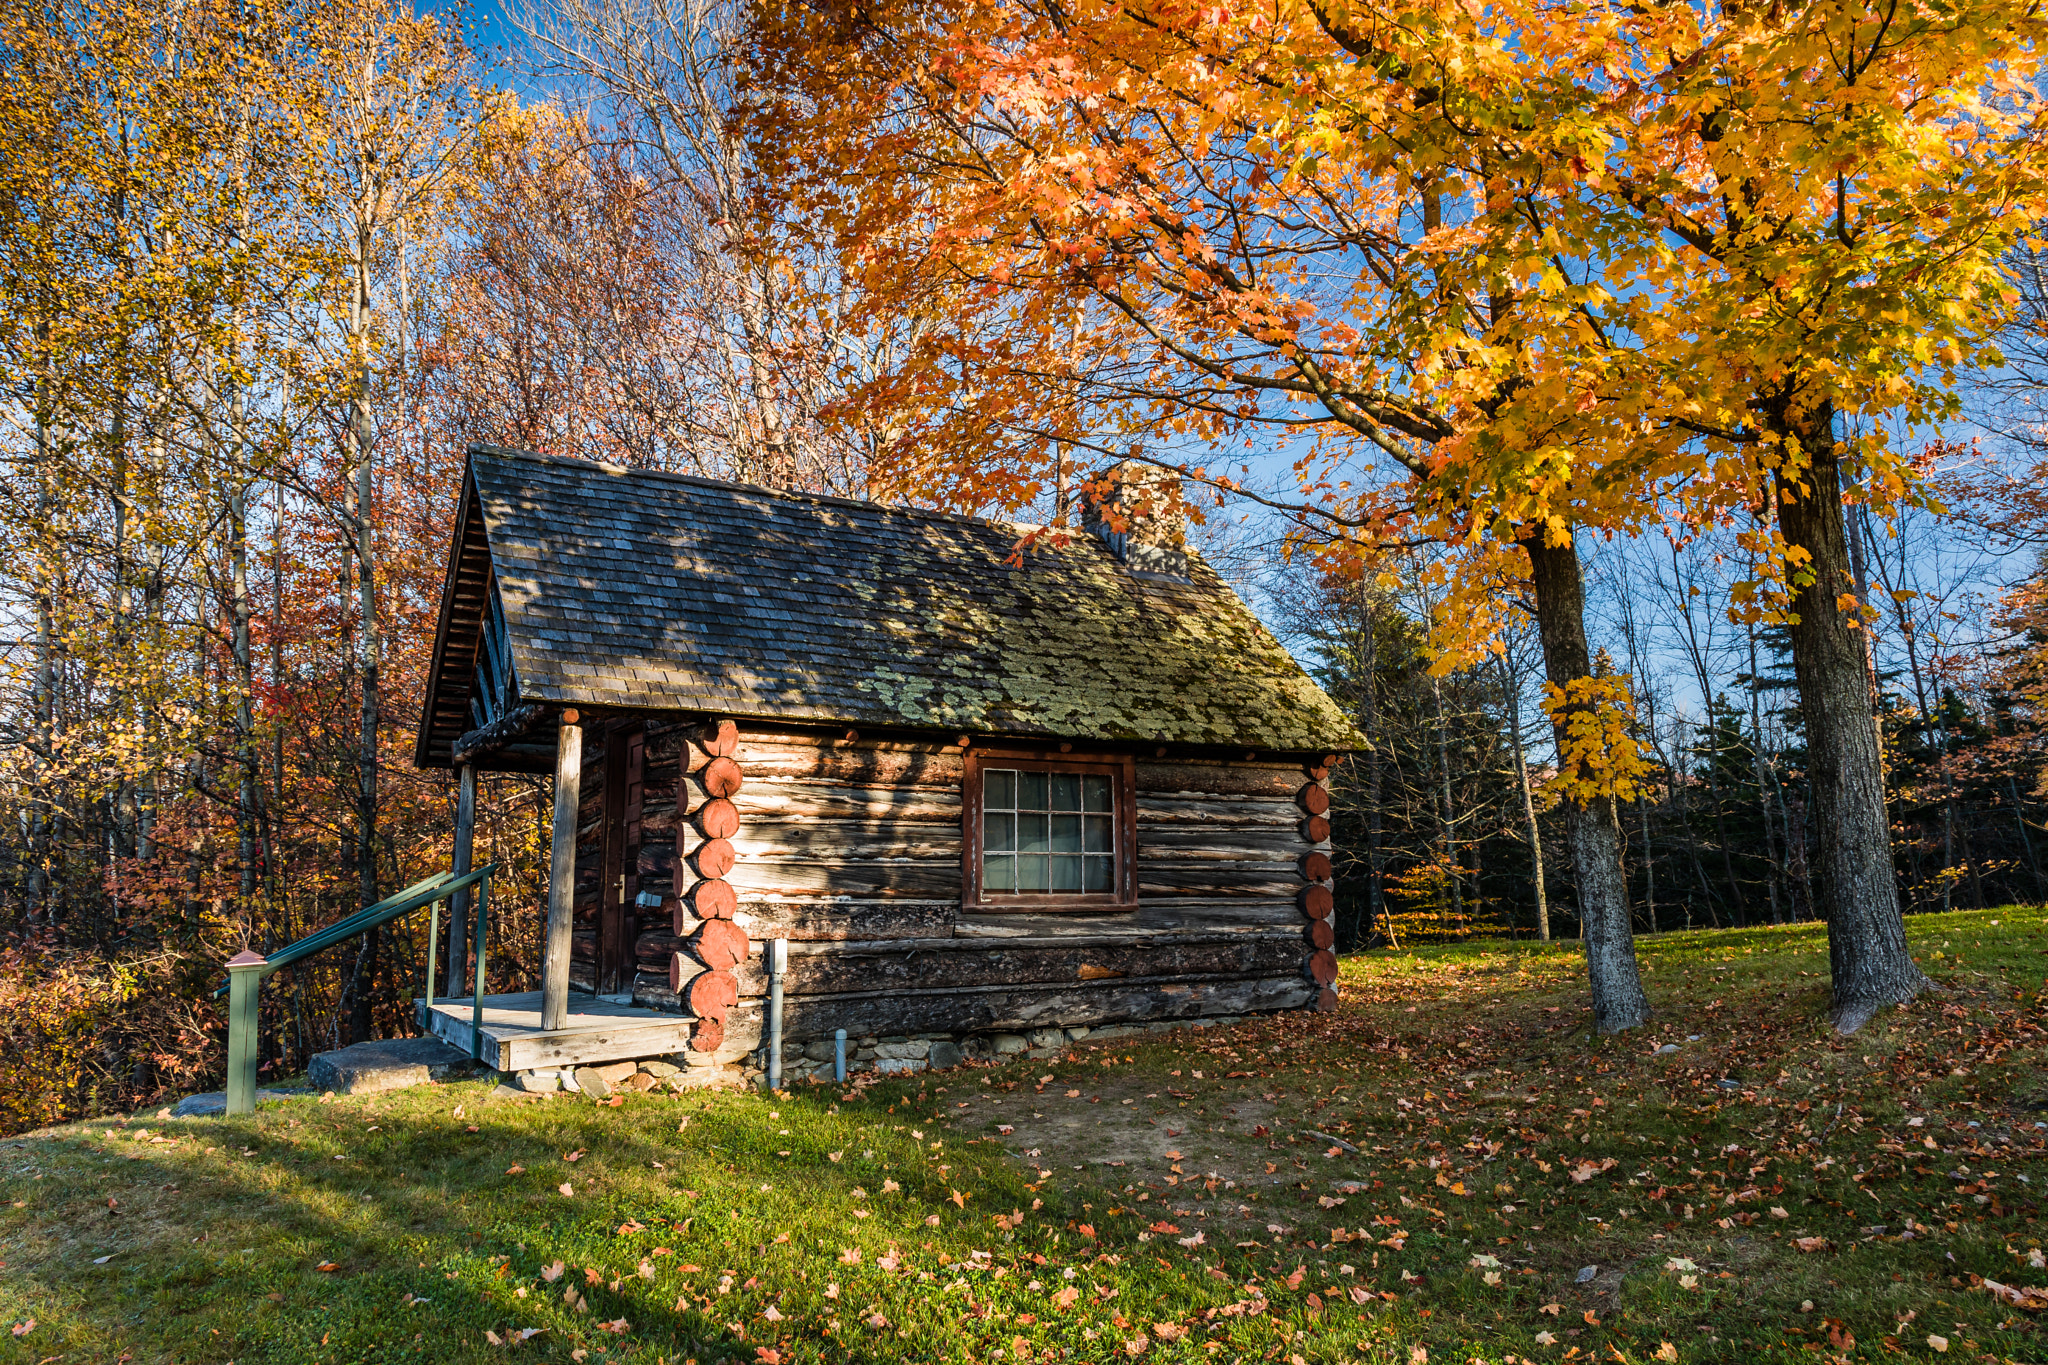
[[471, 681]]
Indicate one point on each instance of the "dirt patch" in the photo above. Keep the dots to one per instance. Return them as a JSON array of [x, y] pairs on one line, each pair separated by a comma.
[[1188, 1142]]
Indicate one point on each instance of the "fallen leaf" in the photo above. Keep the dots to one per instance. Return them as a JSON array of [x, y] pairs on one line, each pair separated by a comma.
[[1810, 1243], [1064, 1299], [551, 1273], [515, 1170], [1545, 1339], [568, 1190], [327, 1267], [2028, 1299], [22, 1329], [576, 1155], [1938, 1343], [1667, 1352]]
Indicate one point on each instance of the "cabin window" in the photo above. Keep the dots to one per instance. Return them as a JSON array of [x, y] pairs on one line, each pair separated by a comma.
[[1048, 835]]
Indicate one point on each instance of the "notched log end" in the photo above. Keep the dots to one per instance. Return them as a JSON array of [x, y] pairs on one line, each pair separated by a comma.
[[719, 738], [1317, 902]]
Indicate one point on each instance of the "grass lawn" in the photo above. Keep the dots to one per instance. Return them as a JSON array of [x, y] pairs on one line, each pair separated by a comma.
[[1448, 1164]]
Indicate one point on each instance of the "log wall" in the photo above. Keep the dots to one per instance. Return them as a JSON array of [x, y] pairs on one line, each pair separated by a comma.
[[851, 848]]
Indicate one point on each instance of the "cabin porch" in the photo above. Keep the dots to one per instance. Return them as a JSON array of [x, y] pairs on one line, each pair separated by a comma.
[[595, 1031]]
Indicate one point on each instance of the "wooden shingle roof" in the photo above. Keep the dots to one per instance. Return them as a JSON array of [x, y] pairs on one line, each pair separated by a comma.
[[634, 589]]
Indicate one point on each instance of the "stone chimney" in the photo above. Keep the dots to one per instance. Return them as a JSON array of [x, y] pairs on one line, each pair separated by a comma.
[[1140, 518]]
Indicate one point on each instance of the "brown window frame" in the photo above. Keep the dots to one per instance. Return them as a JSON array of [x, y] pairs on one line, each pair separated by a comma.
[[1122, 772]]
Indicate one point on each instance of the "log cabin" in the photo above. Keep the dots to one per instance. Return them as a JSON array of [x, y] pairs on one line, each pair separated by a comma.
[[985, 788]]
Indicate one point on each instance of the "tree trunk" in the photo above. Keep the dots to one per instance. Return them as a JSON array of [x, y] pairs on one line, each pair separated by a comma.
[[1763, 791], [369, 649], [1869, 960], [1375, 772], [1593, 831], [1512, 686], [2026, 842], [245, 674], [1443, 749]]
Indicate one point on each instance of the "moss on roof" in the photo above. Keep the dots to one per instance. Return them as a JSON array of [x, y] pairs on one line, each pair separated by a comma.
[[633, 588]]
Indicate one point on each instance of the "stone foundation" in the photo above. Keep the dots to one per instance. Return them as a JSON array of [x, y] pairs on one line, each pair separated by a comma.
[[895, 1054], [810, 1061]]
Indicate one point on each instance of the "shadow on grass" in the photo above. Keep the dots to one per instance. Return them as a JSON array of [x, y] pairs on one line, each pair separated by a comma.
[[687, 1233]]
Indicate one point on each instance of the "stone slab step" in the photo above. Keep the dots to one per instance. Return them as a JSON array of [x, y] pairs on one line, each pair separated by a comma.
[[214, 1103], [386, 1064]]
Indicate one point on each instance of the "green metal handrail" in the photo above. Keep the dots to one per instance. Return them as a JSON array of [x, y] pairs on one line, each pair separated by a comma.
[[247, 970]]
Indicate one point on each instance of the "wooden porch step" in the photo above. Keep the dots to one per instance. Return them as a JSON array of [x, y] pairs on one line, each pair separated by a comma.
[[597, 1031]]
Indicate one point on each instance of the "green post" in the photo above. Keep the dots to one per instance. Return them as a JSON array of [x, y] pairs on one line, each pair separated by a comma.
[[433, 948], [246, 971], [476, 1018]]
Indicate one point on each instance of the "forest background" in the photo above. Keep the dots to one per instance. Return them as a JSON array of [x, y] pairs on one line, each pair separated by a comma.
[[270, 268]]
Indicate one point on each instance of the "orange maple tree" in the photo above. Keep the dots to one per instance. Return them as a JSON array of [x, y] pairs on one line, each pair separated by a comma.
[[1557, 267]]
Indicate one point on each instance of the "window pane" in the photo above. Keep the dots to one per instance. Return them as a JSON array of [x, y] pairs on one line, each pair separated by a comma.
[[1101, 833], [1031, 832], [999, 831], [1036, 838]]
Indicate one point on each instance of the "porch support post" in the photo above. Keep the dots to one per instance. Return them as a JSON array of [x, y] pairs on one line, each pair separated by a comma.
[[459, 903], [554, 971], [246, 971]]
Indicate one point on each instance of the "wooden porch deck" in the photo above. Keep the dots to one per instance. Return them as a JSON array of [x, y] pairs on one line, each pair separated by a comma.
[[598, 1031]]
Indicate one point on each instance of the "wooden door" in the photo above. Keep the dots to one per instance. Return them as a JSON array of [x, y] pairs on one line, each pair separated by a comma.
[[625, 774]]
